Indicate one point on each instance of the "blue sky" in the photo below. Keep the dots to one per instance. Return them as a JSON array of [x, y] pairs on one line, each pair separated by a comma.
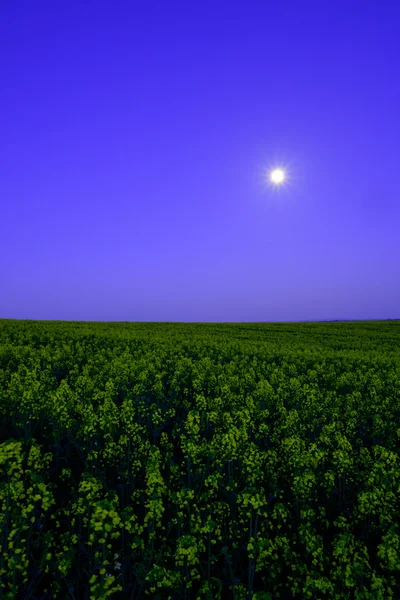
[[136, 141]]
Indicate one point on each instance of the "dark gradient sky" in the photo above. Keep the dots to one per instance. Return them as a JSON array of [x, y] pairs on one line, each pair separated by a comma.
[[134, 142]]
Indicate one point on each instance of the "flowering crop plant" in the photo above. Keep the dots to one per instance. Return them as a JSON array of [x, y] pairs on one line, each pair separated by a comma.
[[199, 461]]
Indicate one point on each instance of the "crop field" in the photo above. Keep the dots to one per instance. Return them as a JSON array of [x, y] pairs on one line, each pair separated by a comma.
[[185, 461]]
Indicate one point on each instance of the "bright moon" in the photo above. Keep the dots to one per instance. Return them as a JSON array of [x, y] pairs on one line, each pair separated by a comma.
[[277, 176]]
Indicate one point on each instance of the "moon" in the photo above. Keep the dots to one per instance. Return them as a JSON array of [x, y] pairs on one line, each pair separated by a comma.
[[277, 176]]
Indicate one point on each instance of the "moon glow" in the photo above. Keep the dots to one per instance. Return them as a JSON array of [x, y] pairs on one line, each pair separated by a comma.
[[277, 176]]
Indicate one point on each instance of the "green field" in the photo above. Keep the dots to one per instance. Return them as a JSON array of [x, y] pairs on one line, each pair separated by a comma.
[[199, 461]]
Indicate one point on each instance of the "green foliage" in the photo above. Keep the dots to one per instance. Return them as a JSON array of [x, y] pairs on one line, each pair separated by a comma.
[[199, 461]]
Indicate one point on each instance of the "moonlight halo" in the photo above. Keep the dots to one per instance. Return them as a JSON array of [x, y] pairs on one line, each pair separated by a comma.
[[277, 176]]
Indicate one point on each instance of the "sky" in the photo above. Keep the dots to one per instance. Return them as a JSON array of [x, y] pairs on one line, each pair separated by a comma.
[[136, 140]]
